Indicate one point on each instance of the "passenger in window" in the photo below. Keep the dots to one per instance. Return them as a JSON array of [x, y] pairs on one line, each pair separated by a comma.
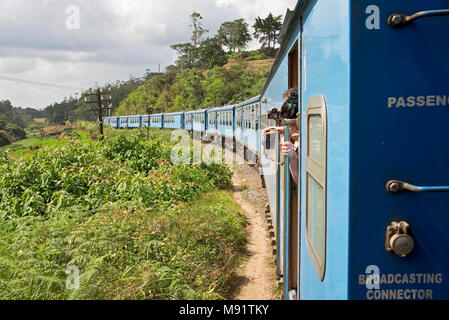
[[290, 148]]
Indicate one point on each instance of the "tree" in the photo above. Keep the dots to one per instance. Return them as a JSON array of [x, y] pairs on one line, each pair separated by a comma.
[[15, 131], [5, 139], [187, 55], [234, 34], [211, 54], [188, 52], [198, 30], [188, 89], [267, 30]]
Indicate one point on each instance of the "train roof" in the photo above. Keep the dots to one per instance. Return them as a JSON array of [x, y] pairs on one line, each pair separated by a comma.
[[249, 101], [197, 111], [174, 113], [133, 116], [224, 108]]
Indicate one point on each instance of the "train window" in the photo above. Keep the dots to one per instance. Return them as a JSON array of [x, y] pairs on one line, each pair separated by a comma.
[[257, 117], [316, 181], [253, 118]]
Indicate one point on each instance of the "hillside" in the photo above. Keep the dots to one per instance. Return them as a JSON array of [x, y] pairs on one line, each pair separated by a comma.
[[241, 78]]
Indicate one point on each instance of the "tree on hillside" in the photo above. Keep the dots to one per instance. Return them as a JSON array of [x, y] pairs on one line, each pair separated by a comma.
[[187, 55], [267, 30], [211, 54], [188, 52], [198, 30], [234, 35]]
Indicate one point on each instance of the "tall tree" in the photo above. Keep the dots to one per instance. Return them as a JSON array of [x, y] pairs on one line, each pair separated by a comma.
[[188, 52], [234, 35], [267, 30], [198, 30], [211, 54]]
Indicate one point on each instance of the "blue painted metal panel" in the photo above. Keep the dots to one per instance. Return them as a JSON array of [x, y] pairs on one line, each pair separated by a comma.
[[399, 130], [326, 72]]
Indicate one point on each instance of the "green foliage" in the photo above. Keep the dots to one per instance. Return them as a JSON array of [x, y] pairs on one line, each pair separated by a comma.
[[234, 35], [72, 109], [267, 30], [187, 89], [211, 54], [124, 215], [192, 89], [235, 84], [13, 121], [15, 131], [5, 139]]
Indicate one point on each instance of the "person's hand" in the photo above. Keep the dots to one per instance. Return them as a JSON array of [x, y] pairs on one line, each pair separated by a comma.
[[288, 149], [273, 130]]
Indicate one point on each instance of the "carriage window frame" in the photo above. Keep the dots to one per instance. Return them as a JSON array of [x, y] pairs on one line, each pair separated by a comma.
[[317, 172]]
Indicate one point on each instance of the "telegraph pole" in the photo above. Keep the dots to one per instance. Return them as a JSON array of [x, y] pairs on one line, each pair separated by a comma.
[[101, 98], [148, 110]]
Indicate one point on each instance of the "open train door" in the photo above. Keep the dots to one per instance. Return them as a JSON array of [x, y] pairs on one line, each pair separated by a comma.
[[399, 197]]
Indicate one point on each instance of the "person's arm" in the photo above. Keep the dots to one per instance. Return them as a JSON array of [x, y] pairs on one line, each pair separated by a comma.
[[273, 130], [288, 150]]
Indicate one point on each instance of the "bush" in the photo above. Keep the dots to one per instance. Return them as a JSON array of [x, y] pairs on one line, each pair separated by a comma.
[[5, 139], [16, 132]]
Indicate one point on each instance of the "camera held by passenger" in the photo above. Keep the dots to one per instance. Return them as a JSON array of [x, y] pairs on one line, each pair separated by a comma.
[[274, 114]]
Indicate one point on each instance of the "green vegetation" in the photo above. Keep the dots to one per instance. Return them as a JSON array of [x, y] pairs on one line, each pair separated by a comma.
[[136, 226], [234, 35], [13, 122], [191, 89], [73, 109], [267, 30]]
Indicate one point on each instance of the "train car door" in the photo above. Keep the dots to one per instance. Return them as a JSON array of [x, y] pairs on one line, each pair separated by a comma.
[[399, 150], [291, 204]]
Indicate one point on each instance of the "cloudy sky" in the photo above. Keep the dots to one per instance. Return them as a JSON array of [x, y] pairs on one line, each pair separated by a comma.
[[44, 41]]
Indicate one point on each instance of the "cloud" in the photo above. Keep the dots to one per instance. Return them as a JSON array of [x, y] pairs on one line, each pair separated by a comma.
[[116, 38]]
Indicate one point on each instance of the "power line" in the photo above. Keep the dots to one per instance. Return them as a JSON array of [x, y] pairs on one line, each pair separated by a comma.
[[39, 83]]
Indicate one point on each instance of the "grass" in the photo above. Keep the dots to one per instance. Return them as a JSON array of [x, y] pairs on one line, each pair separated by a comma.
[[135, 225], [186, 252]]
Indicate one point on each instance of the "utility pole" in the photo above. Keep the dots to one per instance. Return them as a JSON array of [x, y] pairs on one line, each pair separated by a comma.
[[148, 110], [101, 98]]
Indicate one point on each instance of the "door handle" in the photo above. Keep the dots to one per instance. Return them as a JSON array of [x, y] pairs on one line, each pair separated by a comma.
[[396, 186], [399, 20]]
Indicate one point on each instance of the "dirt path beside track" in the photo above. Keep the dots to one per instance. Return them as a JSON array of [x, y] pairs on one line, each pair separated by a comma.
[[256, 277]]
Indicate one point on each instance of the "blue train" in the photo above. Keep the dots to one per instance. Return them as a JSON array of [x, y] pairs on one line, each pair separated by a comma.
[[367, 215]]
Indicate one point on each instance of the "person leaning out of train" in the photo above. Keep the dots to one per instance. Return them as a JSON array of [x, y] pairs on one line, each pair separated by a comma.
[[290, 148]]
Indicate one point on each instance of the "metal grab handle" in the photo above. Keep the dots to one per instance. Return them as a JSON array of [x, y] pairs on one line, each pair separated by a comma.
[[399, 20], [396, 186]]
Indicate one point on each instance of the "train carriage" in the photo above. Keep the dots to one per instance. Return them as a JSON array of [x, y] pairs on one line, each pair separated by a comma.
[[247, 129], [221, 124], [196, 121], [371, 199], [157, 121], [174, 120]]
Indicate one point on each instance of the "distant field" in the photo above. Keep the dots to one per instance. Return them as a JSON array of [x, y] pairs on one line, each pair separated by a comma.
[[40, 120], [35, 142]]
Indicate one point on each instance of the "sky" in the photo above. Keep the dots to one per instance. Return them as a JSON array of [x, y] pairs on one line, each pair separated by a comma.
[[80, 43]]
